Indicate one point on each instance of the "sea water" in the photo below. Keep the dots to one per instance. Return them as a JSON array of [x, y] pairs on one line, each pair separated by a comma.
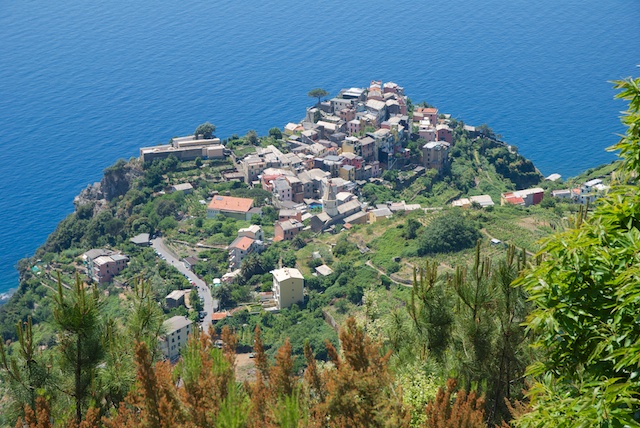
[[85, 83]]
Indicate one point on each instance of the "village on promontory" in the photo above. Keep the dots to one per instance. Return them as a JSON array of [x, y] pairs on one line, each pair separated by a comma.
[[374, 220]]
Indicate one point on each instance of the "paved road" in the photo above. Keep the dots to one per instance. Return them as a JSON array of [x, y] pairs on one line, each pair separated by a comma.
[[203, 289]]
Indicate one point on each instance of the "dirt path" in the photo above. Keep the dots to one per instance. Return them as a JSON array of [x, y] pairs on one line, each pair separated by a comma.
[[371, 265]]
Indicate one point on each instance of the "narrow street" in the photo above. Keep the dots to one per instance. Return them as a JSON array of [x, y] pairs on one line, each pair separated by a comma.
[[203, 289]]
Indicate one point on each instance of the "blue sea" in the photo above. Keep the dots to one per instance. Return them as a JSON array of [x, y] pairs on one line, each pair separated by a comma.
[[83, 84]]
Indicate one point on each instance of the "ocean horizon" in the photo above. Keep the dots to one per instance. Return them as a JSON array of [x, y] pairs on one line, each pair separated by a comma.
[[85, 84]]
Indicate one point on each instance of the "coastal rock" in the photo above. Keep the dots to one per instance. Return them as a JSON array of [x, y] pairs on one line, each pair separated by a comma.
[[116, 182], [118, 178]]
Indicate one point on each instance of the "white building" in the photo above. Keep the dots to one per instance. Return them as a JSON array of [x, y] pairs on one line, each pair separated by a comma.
[[591, 190], [254, 232], [288, 287], [177, 330]]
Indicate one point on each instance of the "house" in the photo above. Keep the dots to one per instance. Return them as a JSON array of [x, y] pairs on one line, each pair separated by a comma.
[[282, 189], [289, 214], [435, 155], [189, 262], [288, 287], [379, 214], [219, 316], [254, 232], [343, 197], [563, 194], [591, 190], [361, 217], [347, 172], [293, 128], [102, 265], [353, 93], [353, 126], [229, 206], [324, 270], [524, 197], [185, 188], [177, 329], [483, 200], [251, 167], [213, 152], [338, 104], [141, 240], [377, 108], [368, 149], [428, 113], [239, 249], [175, 298], [286, 230], [427, 131], [444, 133]]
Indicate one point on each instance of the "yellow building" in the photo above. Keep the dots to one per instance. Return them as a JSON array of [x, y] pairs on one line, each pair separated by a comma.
[[288, 287]]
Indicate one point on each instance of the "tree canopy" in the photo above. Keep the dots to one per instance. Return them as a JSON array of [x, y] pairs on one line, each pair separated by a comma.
[[449, 232], [586, 292], [318, 93], [206, 130]]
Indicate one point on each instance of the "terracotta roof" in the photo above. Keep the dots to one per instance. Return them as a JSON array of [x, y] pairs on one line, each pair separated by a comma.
[[229, 203], [242, 242], [217, 316], [427, 110], [514, 200]]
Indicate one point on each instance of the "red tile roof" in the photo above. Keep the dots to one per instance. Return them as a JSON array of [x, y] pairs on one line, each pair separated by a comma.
[[217, 316], [243, 243], [229, 203], [514, 200]]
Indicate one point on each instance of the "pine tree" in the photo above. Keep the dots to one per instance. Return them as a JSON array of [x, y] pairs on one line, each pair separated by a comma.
[[77, 315], [27, 372]]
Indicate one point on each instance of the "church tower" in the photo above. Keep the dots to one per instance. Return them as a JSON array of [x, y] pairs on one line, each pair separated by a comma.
[[329, 201]]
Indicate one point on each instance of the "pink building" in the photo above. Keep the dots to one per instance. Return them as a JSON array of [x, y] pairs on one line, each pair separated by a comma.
[[106, 267], [444, 133], [286, 230], [352, 159], [347, 114], [428, 113], [427, 132], [289, 215], [353, 126], [267, 181]]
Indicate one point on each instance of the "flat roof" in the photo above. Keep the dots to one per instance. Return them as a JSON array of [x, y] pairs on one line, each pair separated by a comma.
[[324, 270], [286, 273], [182, 186]]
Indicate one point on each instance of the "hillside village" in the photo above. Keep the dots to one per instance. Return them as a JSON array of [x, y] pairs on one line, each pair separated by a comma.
[[315, 176], [339, 216]]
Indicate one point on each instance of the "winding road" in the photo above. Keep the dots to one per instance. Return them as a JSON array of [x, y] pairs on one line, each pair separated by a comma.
[[203, 289]]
